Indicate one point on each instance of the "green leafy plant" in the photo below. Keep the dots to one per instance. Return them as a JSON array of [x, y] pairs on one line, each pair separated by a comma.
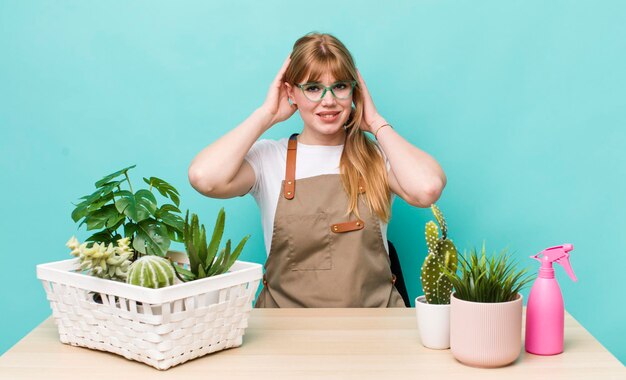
[[441, 254], [111, 208], [204, 259], [488, 280]]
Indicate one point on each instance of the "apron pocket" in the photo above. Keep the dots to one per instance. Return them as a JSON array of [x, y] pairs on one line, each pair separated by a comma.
[[310, 242]]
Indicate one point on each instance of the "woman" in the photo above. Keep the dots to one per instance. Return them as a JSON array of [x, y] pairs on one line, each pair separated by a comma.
[[325, 194]]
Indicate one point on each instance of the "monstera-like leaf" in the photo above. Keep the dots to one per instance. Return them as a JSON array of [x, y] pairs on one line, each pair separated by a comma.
[[114, 205]]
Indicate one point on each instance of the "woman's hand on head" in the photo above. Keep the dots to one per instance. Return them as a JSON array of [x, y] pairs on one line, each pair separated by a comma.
[[276, 103], [371, 118]]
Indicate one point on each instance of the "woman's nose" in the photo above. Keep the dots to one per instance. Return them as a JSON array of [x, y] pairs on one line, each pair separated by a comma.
[[328, 98]]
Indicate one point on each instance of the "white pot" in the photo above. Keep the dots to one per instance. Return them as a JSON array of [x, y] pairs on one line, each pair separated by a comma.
[[433, 324]]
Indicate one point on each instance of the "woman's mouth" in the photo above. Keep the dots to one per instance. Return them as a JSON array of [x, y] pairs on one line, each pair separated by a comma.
[[329, 116]]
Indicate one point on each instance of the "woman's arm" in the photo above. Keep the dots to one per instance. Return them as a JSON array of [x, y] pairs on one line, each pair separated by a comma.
[[415, 176], [219, 170]]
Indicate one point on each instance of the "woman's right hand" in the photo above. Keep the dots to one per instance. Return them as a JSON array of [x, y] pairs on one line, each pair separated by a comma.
[[276, 104]]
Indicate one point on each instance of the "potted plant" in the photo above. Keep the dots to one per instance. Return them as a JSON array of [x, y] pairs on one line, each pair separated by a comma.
[[433, 308], [486, 309], [153, 305]]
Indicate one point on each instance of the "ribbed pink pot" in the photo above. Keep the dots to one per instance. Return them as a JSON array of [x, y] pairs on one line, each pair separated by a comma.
[[485, 334]]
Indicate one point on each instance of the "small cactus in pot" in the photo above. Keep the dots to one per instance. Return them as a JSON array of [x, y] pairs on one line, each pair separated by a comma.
[[433, 308], [441, 254]]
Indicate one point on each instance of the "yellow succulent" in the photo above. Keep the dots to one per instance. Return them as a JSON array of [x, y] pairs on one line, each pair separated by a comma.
[[100, 260]]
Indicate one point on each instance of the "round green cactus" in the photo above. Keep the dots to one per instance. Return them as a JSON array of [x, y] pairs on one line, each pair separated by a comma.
[[151, 272]]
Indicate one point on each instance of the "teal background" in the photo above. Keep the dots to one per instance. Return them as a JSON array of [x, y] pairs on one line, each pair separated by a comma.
[[522, 102]]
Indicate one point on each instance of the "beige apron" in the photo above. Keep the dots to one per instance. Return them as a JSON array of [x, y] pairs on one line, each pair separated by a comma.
[[319, 257]]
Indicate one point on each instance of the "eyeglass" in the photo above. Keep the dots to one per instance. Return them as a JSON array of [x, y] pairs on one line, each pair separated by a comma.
[[315, 91]]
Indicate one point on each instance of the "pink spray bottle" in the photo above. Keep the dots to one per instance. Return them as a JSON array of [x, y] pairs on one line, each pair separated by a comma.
[[545, 310]]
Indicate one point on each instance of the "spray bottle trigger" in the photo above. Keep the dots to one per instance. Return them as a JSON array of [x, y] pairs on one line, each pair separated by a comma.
[[564, 261]]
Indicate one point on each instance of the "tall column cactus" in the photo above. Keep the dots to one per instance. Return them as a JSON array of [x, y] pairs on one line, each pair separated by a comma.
[[441, 253]]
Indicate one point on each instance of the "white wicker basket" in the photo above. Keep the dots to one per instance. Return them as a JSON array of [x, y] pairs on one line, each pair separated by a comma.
[[160, 327]]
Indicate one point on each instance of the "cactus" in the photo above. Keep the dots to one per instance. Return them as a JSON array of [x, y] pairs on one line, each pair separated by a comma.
[[204, 260], [101, 260], [441, 253], [151, 272]]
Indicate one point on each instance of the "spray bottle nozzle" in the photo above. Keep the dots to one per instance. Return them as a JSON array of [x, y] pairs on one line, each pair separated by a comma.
[[558, 254]]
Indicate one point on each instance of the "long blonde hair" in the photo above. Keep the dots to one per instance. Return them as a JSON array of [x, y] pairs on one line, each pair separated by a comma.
[[314, 55]]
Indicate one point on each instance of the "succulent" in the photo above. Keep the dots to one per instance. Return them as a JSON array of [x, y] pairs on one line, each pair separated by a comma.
[[441, 254], [204, 259], [101, 260], [151, 272]]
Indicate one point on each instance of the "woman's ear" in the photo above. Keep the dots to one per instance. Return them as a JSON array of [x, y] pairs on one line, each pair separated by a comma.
[[290, 93]]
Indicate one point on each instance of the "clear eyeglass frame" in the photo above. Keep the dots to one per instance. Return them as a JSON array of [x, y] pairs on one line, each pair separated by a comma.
[[352, 84]]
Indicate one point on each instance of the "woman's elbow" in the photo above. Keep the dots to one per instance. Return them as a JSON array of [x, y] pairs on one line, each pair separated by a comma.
[[429, 193], [198, 180]]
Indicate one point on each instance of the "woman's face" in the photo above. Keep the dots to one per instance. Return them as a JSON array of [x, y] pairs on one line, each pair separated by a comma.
[[325, 117]]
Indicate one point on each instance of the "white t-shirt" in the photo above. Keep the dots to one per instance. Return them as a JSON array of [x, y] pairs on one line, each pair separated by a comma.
[[268, 159]]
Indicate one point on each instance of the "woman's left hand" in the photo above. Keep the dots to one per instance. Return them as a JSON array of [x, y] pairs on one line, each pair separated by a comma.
[[370, 115]]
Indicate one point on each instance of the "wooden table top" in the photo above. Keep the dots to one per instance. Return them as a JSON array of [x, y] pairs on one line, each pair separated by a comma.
[[312, 344]]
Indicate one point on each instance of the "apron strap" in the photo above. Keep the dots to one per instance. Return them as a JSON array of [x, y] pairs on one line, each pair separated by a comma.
[[290, 171], [361, 185]]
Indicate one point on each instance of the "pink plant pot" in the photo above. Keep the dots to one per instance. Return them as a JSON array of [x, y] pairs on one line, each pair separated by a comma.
[[486, 335]]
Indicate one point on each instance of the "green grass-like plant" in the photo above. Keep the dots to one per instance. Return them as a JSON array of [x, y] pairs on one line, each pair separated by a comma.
[[488, 280]]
